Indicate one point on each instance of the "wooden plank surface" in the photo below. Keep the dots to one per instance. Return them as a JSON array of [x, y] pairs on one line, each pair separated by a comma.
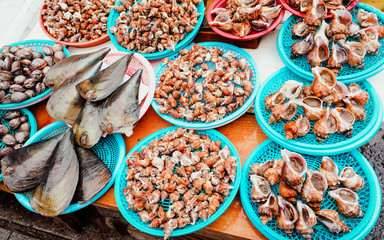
[[244, 133]]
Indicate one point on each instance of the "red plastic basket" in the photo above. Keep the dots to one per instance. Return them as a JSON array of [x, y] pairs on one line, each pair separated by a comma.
[[253, 35], [90, 43], [300, 14]]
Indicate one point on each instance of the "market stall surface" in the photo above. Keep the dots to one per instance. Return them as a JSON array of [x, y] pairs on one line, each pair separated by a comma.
[[16, 222]]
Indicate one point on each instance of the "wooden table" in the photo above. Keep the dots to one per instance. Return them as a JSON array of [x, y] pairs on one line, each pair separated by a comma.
[[244, 133]]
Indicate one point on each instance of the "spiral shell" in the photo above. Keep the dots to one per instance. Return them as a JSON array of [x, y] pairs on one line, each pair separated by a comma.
[[330, 171], [307, 220], [332, 221], [288, 216], [347, 202], [350, 179]]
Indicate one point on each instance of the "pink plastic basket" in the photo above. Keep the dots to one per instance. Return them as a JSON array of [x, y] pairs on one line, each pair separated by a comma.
[[298, 13], [253, 35], [148, 80]]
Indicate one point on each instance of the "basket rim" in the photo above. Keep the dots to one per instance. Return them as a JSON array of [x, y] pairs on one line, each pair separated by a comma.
[[302, 15], [335, 148], [355, 77], [157, 55], [104, 38], [76, 206], [360, 231], [253, 35], [37, 98], [31, 121], [177, 232], [226, 120]]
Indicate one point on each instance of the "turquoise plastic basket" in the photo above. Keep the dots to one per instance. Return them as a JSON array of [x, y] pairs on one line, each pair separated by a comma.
[[369, 196], [31, 121], [373, 63], [336, 143], [110, 149], [132, 216], [36, 45], [157, 55], [255, 79]]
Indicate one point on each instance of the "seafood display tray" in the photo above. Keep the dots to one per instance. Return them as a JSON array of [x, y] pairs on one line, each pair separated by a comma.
[[255, 80], [253, 35], [110, 149], [135, 220], [336, 143], [301, 14], [369, 196], [373, 63], [104, 38], [157, 55], [36, 45], [31, 121]]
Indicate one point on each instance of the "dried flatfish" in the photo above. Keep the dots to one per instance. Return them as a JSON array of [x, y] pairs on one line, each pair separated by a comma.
[[102, 84], [120, 111], [54, 194], [86, 127], [24, 168], [68, 68], [94, 175], [65, 103]]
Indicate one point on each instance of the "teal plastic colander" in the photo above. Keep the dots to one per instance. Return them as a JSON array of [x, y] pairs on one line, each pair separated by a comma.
[[229, 117], [110, 149], [373, 63], [113, 15], [132, 217], [31, 121], [336, 143], [369, 196], [36, 45]]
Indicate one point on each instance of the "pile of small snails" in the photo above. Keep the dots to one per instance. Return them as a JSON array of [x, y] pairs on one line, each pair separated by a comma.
[[290, 173], [76, 21], [17, 132], [340, 29], [152, 26], [192, 90], [22, 71]]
